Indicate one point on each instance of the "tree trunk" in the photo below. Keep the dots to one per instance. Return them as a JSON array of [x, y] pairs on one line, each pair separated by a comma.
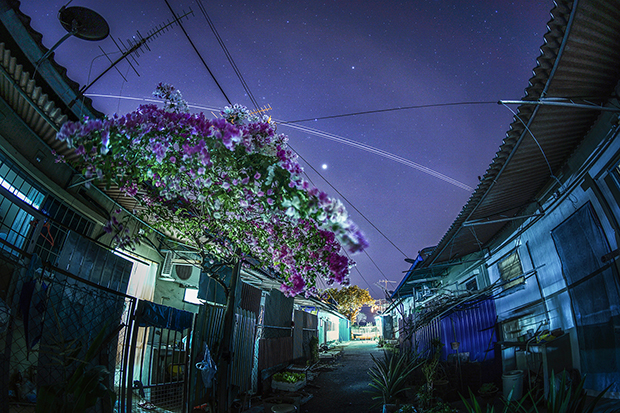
[[225, 354]]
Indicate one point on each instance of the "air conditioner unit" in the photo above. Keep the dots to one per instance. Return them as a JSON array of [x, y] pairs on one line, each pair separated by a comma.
[[188, 275], [180, 266]]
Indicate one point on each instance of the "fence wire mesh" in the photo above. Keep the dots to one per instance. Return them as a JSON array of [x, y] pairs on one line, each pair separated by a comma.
[[62, 334]]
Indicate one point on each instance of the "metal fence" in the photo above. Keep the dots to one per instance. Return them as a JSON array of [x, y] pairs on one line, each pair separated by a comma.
[[62, 333]]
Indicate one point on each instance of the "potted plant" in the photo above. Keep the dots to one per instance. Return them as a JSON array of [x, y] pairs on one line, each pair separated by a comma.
[[487, 390], [390, 375], [288, 381]]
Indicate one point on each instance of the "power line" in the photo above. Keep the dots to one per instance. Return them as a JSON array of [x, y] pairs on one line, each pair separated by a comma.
[[367, 112], [359, 272], [228, 55], [349, 202], [199, 55]]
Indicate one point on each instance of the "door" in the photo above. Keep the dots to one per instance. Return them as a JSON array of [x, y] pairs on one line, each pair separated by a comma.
[[595, 298]]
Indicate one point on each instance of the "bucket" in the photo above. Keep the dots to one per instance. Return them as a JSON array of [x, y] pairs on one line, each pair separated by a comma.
[[523, 360], [513, 384]]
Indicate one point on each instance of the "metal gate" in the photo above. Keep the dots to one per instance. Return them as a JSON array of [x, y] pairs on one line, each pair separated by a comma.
[[57, 330], [159, 354]]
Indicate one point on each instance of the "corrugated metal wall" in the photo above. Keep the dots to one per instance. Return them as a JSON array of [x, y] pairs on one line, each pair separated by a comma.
[[243, 349], [423, 337], [207, 330], [473, 328], [278, 315], [298, 334], [274, 351]]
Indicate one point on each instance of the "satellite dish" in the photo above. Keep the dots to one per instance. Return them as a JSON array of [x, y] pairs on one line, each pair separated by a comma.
[[83, 23]]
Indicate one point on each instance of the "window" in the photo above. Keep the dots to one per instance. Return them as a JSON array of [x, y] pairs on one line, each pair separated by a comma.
[[15, 222], [53, 235], [20, 221], [191, 296], [510, 270], [472, 285]]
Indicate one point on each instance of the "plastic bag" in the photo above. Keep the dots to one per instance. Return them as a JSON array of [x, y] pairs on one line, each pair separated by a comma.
[[207, 368]]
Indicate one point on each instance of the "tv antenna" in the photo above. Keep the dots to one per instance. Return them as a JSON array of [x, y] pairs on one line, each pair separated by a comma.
[[385, 283], [82, 23], [134, 46]]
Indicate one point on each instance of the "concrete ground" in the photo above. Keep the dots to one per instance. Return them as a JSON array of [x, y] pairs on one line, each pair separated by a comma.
[[344, 388]]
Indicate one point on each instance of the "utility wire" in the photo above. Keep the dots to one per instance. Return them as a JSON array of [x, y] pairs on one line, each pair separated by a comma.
[[251, 96], [361, 275], [374, 263], [228, 55], [198, 53], [349, 202], [432, 105]]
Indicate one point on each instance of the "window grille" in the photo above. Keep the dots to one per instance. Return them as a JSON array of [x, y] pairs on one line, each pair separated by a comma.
[[54, 233], [510, 271], [17, 187], [20, 199]]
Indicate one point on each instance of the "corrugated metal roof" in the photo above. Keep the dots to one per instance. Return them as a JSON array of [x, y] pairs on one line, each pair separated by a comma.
[[27, 99], [42, 115], [580, 59]]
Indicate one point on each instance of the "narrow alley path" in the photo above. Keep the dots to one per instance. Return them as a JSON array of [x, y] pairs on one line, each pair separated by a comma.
[[344, 389]]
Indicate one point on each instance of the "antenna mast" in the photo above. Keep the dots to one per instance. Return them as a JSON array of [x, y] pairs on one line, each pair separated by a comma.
[[135, 46]]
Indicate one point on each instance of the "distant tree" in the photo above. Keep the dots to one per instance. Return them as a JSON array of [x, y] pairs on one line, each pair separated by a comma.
[[349, 300]]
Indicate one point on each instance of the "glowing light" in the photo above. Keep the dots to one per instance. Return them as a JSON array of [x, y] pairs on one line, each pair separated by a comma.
[[324, 166]]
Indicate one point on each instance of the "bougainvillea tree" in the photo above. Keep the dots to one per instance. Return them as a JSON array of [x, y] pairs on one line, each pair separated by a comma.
[[221, 185]]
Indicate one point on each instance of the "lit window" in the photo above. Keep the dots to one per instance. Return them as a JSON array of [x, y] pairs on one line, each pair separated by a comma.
[[191, 296], [510, 271]]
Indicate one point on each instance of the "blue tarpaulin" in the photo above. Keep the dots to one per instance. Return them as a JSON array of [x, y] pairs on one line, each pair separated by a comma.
[[149, 314]]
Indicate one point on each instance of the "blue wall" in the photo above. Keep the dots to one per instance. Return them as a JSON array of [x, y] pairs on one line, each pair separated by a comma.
[[473, 328]]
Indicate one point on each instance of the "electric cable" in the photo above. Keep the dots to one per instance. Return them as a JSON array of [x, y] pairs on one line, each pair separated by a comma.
[[367, 112], [198, 53], [360, 273], [228, 55], [349, 202], [536, 141]]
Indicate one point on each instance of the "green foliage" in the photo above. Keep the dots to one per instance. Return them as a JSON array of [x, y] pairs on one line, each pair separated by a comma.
[[390, 375], [289, 377], [487, 389], [563, 398], [429, 369], [349, 300], [85, 385]]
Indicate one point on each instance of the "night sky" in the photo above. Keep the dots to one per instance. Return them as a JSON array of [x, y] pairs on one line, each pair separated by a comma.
[[409, 172]]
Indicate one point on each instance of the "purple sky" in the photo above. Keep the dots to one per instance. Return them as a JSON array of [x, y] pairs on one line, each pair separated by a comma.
[[314, 59]]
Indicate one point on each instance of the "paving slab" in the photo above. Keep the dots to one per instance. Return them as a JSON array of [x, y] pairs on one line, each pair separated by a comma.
[[343, 386]]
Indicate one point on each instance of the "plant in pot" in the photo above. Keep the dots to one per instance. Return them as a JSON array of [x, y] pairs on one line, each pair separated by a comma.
[[288, 381], [390, 375], [487, 390], [84, 382]]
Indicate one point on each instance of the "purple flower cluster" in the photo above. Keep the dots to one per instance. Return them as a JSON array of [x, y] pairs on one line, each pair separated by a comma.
[[232, 176]]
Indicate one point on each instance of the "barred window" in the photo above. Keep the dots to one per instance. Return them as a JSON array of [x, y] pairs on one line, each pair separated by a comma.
[[510, 270]]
